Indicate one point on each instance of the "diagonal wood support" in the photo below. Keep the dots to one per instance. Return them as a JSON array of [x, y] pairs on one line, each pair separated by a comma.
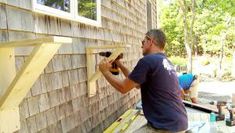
[[94, 74], [19, 85]]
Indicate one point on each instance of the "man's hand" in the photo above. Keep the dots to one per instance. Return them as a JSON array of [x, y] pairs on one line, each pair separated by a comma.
[[105, 65], [118, 62]]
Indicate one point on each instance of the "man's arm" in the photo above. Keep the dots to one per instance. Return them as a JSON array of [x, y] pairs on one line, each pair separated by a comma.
[[123, 68], [122, 86]]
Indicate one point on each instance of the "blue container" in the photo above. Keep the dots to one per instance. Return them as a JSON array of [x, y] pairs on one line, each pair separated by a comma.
[[212, 117]]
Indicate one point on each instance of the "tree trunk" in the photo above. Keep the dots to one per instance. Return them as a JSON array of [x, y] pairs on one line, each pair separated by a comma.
[[233, 66], [188, 35], [192, 37]]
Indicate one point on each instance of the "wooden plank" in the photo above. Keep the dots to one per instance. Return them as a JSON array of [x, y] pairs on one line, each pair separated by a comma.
[[139, 121], [34, 42], [25, 78], [7, 68], [109, 46], [9, 120], [90, 69], [200, 107], [121, 124]]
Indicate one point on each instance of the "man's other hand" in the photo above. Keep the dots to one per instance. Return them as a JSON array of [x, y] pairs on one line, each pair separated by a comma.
[[105, 65]]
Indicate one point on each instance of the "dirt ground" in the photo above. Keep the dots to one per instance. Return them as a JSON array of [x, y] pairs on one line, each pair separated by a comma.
[[211, 88], [215, 91]]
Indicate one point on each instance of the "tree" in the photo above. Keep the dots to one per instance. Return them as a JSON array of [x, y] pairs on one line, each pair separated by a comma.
[[188, 13], [173, 27], [208, 25], [87, 8]]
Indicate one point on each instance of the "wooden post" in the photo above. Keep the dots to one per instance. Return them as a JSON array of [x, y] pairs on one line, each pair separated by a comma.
[[7, 72], [9, 120], [7, 68]]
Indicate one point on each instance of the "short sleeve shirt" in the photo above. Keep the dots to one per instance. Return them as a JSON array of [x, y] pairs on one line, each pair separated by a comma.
[[162, 105], [185, 80]]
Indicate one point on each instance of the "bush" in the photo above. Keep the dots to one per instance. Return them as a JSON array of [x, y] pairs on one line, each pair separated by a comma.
[[205, 62], [179, 61]]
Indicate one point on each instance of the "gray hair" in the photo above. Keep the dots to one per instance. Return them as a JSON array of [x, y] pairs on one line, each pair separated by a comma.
[[158, 36]]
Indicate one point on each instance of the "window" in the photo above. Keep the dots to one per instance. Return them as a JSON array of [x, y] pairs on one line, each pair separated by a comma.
[[85, 11]]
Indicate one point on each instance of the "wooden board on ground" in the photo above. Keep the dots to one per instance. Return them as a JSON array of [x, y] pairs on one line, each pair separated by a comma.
[[196, 119]]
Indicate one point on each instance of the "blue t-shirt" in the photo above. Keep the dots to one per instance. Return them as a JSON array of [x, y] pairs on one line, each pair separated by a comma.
[[162, 105], [185, 81]]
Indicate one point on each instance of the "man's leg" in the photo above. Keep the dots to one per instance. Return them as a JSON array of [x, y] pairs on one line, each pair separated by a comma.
[[193, 91]]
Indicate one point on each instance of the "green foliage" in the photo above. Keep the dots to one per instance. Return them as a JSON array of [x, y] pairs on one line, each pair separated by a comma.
[[174, 31], [205, 62], [176, 60], [87, 8], [214, 27]]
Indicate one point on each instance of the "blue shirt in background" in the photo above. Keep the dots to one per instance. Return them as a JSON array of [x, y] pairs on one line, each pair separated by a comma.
[[185, 81], [161, 101]]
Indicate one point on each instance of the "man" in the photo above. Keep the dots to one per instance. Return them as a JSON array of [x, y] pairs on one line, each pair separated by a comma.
[[188, 85], [154, 74]]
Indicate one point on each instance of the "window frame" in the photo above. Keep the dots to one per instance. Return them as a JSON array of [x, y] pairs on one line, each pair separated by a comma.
[[72, 15]]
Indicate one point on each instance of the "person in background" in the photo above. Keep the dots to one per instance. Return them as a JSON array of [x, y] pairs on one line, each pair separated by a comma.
[[156, 77], [188, 84]]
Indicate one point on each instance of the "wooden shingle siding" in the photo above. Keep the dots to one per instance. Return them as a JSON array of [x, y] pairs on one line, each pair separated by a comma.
[[3, 19], [44, 102], [58, 101], [4, 36]]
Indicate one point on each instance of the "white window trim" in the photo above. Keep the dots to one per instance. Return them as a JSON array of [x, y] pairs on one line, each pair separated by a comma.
[[73, 15]]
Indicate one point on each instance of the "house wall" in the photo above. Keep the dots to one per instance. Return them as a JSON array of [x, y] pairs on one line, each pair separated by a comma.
[[58, 101]]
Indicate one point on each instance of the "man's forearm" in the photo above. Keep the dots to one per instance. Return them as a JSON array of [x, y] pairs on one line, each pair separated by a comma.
[[124, 69]]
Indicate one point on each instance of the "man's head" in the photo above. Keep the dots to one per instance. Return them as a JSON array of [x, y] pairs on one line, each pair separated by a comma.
[[155, 39]]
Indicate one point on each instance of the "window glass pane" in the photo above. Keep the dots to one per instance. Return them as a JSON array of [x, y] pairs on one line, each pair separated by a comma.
[[63, 5], [87, 8]]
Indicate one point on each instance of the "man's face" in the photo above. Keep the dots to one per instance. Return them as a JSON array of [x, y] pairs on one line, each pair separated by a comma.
[[146, 45]]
